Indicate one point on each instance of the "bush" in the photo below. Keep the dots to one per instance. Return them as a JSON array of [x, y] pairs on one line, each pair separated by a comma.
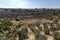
[[58, 26], [56, 35], [2, 37], [18, 26], [23, 34], [56, 21], [11, 38], [46, 30], [5, 25], [52, 28], [39, 28]]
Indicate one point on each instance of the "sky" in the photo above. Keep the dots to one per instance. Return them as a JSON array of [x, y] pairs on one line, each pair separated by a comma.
[[29, 3]]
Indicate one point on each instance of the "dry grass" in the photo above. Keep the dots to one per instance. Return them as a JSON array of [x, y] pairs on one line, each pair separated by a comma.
[[31, 21], [34, 22]]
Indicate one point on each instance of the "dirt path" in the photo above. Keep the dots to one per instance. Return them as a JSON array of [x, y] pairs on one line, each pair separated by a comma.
[[30, 35], [50, 38]]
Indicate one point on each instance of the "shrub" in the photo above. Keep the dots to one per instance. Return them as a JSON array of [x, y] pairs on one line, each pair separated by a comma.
[[46, 30], [52, 28], [5, 25], [18, 26], [56, 21], [58, 26], [23, 34], [56, 35], [39, 28]]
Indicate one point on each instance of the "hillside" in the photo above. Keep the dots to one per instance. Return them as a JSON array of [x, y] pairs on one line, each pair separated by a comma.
[[17, 13], [29, 24]]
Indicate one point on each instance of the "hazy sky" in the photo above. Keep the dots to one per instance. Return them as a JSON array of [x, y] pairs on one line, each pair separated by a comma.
[[29, 3]]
